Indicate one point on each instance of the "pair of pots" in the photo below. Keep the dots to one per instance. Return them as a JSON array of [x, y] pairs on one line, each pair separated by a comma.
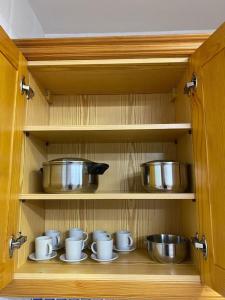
[[77, 175]]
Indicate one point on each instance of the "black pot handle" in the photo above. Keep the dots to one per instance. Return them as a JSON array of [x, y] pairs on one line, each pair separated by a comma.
[[97, 169]]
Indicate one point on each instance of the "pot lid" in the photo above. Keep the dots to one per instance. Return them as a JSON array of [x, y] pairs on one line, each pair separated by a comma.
[[66, 160], [158, 162]]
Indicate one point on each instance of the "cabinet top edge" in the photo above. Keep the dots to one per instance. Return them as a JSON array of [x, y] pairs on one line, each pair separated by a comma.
[[131, 61], [111, 47]]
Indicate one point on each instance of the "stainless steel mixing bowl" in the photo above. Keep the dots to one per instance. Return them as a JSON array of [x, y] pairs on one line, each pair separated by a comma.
[[167, 248]]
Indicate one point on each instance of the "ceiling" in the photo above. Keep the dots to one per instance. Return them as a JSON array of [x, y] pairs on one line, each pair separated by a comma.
[[93, 17]]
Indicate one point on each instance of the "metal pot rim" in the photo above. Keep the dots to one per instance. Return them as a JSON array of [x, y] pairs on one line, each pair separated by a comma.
[[65, 161], [161, 162], [181, 239]]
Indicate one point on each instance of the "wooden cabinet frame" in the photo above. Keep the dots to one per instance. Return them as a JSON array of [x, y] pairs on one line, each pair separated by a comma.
[[111, 48]]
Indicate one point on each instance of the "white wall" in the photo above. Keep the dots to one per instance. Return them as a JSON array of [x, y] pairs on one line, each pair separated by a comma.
[[122, 17], [18, 19]]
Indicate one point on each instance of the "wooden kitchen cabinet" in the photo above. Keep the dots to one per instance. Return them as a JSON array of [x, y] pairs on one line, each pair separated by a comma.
[[124, 108]]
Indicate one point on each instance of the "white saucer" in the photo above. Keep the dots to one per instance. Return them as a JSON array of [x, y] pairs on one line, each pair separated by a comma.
[[32, 256], [63, 258], [114, 257], [132, 248]]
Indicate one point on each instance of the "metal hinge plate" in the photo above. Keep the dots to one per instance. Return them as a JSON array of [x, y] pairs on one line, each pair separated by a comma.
[[200, 244], [26, 89], [191, 86], [16, 242]]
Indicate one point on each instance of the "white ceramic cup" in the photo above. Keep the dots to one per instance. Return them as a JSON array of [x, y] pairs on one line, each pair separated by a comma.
[[56, 237], [78, 233], [123, 240], [43, 247], [98, 234], [74, 247], [103, 248]]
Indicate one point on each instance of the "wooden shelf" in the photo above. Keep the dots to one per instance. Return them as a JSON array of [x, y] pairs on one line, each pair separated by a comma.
[[109, 133], [133, 266], [109, 76], [108, 196]]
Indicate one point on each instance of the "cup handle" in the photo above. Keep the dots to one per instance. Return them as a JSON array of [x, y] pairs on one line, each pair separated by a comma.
[[58, 239], [92, 247], [83, 245], [50, 248], [86, 234], [131, 242], [108, 235]]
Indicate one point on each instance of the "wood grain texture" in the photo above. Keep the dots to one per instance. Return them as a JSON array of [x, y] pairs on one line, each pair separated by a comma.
[[181, 101], [111, 109], [35, 153], [208, 132], [201, 177], [123, 176], [212, 46], [108, 196], [135, 265], [117, 62], [133, 289], [140, 217], [17, 150], [189, 217], [31, 224], [8, 49], [109, 78], [37, 112], [212, 74], [8, 81], [110, 47], [100, 125], [108, 133], [124, 160]]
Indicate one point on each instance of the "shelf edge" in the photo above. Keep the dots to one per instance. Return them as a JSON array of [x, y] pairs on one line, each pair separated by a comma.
[[110, 277], [108, 196]]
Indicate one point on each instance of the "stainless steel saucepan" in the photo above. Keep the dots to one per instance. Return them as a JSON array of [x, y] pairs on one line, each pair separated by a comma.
[[72, 175], [165, 176]]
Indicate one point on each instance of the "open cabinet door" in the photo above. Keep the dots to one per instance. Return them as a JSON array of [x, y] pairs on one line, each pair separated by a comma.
[[12, 115], [208, 114]]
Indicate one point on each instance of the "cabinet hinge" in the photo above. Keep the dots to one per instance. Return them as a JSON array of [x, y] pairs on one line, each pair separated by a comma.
[[16, 242], [26, 89], [191, 86], [200, 244]]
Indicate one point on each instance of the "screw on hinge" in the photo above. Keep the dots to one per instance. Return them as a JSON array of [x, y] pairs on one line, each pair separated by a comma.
[[191, 86]]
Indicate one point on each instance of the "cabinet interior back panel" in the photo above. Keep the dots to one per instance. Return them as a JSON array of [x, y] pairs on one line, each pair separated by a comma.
[[141, 217], [37, 109], [111, 109]]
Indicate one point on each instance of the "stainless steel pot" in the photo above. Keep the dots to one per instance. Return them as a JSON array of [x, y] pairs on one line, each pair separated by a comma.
[[72, 175], [167, 248], [164, 176]]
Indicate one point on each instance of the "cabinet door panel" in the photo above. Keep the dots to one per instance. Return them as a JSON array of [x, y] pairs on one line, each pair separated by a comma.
[[8, 77], [12, 108], [213, 74], [209, 147]]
